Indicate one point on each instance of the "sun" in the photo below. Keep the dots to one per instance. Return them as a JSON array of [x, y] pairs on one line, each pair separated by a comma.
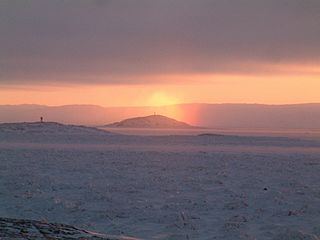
[[162, 99], [169, 105]]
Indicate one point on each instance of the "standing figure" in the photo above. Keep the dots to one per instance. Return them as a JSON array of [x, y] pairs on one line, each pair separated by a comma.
[[41, 119]]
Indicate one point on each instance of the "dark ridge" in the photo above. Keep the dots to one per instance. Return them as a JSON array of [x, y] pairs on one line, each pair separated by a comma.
[[31, 229], [210, 135]]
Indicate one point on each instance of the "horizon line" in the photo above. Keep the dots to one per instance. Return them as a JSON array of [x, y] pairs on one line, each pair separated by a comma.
[[157, 106]]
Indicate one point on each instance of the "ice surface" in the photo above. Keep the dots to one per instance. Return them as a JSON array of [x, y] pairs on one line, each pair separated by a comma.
[[161, 187]]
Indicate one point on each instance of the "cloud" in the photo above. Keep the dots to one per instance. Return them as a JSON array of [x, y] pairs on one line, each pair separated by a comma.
[[118, 41]]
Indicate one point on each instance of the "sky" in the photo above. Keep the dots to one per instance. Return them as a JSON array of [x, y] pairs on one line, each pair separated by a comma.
[[142, 52]]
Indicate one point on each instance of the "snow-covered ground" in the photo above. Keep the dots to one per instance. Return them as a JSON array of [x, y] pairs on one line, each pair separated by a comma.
[[161, 187]]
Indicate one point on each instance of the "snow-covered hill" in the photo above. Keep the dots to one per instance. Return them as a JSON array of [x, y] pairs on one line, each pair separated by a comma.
[[152, 121], [47, 127], [50, 132]]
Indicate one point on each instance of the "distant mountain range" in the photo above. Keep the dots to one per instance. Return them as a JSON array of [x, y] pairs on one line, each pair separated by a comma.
[[152, 121], [250, 116]]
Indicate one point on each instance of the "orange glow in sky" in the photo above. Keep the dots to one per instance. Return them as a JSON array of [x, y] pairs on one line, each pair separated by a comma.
[[175, 89], [159, 98]]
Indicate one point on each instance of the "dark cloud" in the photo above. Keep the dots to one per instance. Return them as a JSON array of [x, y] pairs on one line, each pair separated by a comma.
[[107, 40]]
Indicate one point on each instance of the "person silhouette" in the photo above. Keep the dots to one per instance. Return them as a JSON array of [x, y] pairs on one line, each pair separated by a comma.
[[41, 119]]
